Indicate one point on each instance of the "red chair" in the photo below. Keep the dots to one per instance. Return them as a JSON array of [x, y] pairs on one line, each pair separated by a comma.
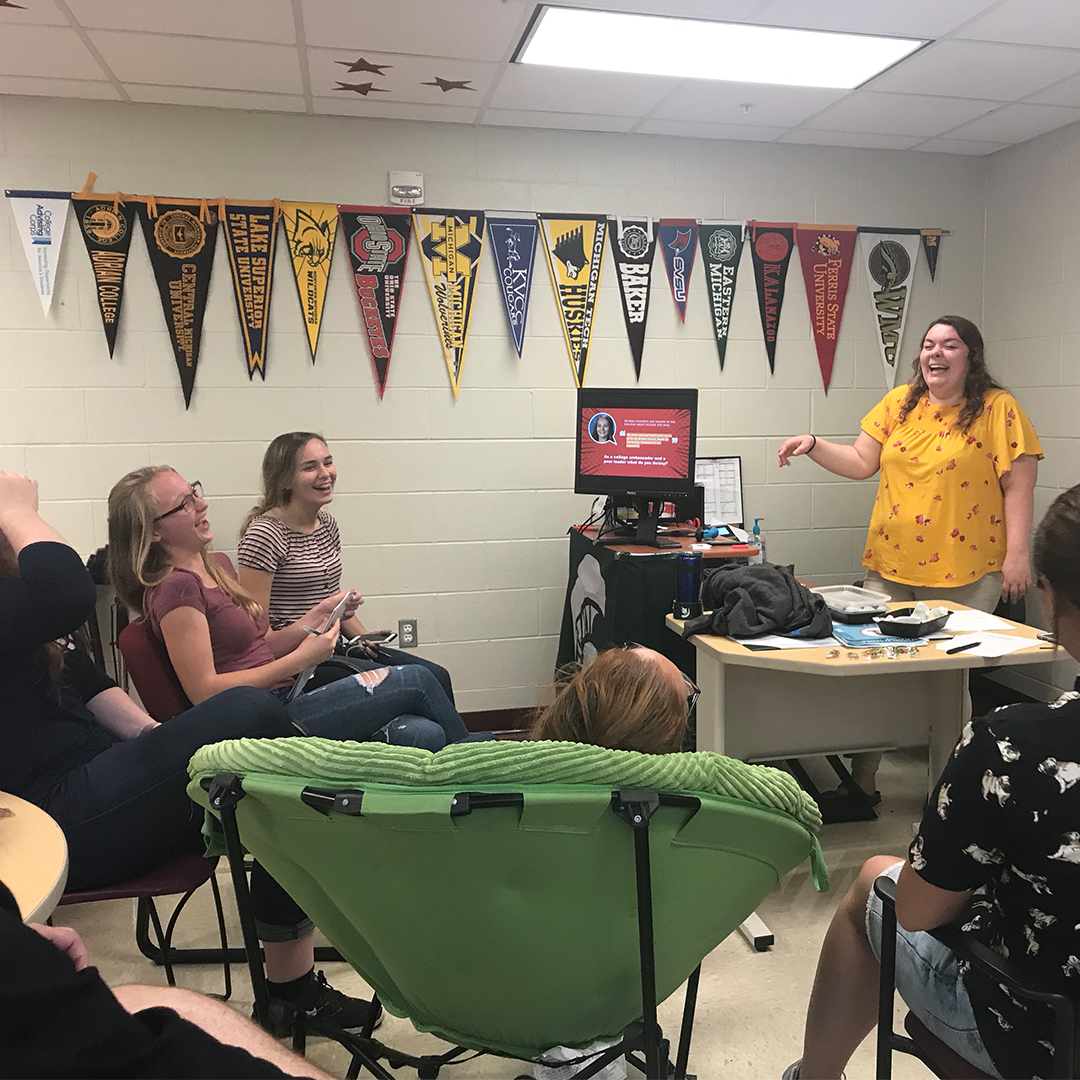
[[151, 671]]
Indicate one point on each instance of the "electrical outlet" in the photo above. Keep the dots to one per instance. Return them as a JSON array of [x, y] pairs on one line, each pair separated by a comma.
[[407, 635]]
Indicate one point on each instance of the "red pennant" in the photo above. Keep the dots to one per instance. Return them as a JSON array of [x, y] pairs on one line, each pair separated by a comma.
[[827, 253]]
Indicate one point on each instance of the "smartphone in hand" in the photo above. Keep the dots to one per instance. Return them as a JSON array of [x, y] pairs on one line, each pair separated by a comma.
[[337, 614], [379, 637]]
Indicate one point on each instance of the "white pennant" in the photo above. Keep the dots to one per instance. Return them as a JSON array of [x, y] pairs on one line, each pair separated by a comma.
[[889, 260], [40, 217]]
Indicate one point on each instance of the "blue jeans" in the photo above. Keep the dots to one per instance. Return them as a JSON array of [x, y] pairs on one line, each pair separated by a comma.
[[347, 709], [397, 657], [929, 981]]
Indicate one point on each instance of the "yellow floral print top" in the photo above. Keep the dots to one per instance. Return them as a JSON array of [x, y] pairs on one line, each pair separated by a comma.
[[939, 514]]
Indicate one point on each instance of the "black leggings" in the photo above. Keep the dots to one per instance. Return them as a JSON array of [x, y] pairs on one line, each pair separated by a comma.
[[127, 810]]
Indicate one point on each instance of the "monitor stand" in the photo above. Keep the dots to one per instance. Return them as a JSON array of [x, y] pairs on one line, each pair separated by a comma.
[[644, 532]]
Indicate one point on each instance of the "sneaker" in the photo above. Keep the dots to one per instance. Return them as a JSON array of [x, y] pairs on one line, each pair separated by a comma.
[[318, 1000]]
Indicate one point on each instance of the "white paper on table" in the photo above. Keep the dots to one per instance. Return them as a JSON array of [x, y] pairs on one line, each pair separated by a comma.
[[966, 622], [989, 644], [778, 641]]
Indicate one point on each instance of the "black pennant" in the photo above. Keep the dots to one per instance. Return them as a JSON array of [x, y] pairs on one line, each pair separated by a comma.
[[931, 245], [771, 244], [721, 247], [634, 247], [106, 226]]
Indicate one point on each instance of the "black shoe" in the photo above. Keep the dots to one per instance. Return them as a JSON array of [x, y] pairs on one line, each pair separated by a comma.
[[318, 1000]]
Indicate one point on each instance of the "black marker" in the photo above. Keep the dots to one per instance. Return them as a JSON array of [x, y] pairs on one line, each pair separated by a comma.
[[962, 648]]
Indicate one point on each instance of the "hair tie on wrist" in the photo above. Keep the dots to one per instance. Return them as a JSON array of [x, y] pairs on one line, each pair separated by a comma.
[[813, 444]]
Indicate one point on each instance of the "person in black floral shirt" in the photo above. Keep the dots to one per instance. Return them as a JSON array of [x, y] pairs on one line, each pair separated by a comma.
[[998, 852]]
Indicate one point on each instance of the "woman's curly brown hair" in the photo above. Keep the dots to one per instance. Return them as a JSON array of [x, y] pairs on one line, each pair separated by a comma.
[[978, 383]]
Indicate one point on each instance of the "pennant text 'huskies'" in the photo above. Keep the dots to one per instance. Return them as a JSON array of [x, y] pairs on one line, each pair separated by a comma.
[[770, 246], [574, 244], [721, 247], [889, 258], [310, 230], [180, 236], [678, 241], [513, 246], [106, 225], [250, 238], [377, 239], [451, 243], [827, 253], [634, 246], [40, 217]]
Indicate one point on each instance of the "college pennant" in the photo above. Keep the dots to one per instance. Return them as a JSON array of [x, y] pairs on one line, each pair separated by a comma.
[[377, 239], [931, 245], [634, 245], [310, 231], [827, 253], [250, 239], [513, 246], [451, 243], [678, 241], [770, 246], [106, 225], [574, 244], [889, 258], [721, 248], [180, 237], [41, 217]]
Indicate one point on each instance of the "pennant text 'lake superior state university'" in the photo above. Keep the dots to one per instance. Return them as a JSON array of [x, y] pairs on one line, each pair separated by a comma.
[[250, 239]]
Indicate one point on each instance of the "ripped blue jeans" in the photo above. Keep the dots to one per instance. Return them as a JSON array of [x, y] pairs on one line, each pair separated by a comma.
[[347, 709]]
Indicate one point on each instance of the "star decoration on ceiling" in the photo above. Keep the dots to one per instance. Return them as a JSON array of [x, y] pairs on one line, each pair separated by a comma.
[[363, 65], [361, 88], [451, 84]]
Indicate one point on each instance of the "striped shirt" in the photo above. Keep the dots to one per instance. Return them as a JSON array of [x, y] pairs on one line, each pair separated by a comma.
[[306, 566]]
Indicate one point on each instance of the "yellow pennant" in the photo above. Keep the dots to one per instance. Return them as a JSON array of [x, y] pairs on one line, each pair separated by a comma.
[[451, 242], [575, 244], [310, 230]]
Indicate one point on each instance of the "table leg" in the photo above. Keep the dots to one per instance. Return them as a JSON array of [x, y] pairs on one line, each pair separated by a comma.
[[948, 722], [712, 707]]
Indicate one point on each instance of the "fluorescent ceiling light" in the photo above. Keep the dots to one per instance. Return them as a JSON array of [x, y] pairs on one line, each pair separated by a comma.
[[701, 49]]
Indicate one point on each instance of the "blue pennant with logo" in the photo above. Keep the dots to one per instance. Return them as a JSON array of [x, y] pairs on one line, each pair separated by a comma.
[[678, 240], [513, 242]]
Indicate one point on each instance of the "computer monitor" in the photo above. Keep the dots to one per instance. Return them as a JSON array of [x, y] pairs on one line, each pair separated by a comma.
[[637, 443]]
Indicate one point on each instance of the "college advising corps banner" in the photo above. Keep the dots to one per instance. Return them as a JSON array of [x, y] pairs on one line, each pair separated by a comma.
[[721, 248], [513, 246], [310, 230], [106, 224], [574, 245], [40, 217], [451, 243], [633, 243], [377, 239], [678, 242], [770, 246], [250, 239], [827, 253], [889, 257], [180, 237]]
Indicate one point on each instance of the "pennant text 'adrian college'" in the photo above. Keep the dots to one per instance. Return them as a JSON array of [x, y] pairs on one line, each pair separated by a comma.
[[827, 253], [310, 231], [574, 244], [377, 239], [451, 243], [106, 226]]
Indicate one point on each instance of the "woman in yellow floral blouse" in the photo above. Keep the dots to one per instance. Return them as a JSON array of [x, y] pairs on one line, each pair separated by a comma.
[[958, 460]]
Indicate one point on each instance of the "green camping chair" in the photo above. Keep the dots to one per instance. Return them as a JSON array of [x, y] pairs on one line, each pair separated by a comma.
[[511, 897]]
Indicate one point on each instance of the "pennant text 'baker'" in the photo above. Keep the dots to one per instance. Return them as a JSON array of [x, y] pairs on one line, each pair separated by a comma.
[[827, 253], [574, 244], [310, 231], [634, 245]]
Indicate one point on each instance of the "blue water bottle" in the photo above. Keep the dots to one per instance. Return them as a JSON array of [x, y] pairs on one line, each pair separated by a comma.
[[688, 566]]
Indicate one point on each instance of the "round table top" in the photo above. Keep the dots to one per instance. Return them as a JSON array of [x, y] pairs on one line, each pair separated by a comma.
[[33, 857]]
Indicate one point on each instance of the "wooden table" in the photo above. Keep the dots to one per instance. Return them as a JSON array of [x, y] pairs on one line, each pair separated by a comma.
[[714, 550], [790, 703], [33, 857]]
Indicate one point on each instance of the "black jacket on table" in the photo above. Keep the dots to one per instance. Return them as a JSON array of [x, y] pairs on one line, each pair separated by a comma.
[[46, 731]]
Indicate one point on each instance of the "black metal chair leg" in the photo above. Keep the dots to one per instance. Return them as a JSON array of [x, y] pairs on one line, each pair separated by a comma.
[[687, 1029], [226, 967], [163, 944]]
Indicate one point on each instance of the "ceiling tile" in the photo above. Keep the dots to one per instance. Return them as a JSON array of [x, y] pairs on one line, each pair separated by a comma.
[[245, 20], [40, 13], [898, 114], [716, 102], [1064, 93], [468, 29], [1017, 123], [393, 110], [961, 146], [805, 137], [403, 79], [67, 88], [173, 60], [720, 10], [912, 18], [975, 69], [215, 99], [695, 129], [47, 51], [1049, 22], [524, 86], [562, 121]]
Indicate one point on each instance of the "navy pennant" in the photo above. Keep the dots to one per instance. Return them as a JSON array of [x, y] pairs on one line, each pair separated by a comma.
[[250, 236], [513, 244], [678, 241], [106, 225], [634, 248]]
